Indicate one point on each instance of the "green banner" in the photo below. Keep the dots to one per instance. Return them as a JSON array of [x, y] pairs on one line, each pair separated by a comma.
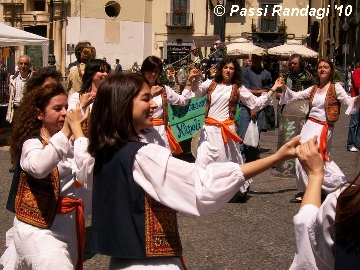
[[186, 120]]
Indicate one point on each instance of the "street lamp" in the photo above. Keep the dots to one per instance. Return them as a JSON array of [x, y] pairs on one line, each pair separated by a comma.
[[51, 57]]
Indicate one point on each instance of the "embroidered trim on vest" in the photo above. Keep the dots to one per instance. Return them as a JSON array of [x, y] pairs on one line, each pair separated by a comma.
[[161, 231], [233, 101], [165, 107], [85, 124], [36, 199], [332, 104]]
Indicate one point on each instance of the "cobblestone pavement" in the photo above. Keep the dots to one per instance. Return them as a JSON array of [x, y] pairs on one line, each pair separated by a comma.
[[257, 234]]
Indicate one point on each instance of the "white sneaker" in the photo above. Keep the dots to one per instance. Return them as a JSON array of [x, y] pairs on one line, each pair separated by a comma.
[[353, 149]]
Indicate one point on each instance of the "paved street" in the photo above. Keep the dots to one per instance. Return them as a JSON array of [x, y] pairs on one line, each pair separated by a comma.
[[257, 234]]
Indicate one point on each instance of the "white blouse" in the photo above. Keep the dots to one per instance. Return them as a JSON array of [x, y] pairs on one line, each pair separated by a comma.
[[315, 235], [184, 186], [219, 107], [75, 99], [39, 161], [173, 98], [318, 108]]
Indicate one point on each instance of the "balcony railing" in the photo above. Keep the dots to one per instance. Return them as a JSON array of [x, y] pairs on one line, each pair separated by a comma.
[[179, 20], [268, 25]]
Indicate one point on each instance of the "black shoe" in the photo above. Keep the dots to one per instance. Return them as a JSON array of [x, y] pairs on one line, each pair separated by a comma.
[[12, 169], [243, 197], [298, 198]]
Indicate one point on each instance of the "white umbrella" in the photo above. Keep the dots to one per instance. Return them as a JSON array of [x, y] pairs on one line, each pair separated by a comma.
[[241, 48], [286, 50]]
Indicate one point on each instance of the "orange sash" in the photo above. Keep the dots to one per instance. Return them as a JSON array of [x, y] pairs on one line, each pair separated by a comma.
[[323, 137], [66, 205], [225, 130], [173, 143]]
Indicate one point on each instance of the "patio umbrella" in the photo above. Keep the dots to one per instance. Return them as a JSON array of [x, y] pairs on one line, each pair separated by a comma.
[[283, 52], [241, 48]]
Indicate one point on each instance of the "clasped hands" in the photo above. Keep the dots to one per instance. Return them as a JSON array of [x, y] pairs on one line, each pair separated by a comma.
[[280, 83], [307, 153]]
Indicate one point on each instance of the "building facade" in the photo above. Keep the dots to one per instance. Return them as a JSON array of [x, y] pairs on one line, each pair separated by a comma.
[[132, 30]]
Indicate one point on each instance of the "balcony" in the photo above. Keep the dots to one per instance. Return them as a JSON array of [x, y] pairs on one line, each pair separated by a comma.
[[174, 21], [268, 25]]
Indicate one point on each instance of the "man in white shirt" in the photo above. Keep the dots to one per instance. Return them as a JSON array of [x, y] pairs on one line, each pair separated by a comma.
[[16, 87]]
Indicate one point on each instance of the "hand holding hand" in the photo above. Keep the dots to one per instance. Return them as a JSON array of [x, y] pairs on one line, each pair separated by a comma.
[[288, 150], [279, 82], [310, 158], [86, 99], [74, 118], [194, 75], [156, 90]]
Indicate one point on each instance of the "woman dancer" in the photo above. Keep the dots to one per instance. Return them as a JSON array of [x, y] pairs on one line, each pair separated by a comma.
[[48, 230], [218, 133], [138, 187], [327, 235], [95, 71], [325, 98], [160, 133]]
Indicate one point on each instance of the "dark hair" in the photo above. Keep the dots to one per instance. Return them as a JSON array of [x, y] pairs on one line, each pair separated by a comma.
[[111, 123], [347, 218], [39, 76], [27, 124], [91, 67], [301, 60], [79, 47], [152, 63], [236, 79], [316, 77]]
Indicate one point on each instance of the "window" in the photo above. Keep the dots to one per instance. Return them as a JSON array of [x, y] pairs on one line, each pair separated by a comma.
[[112, 9], [179, 12], [39, 5], [268, 23]]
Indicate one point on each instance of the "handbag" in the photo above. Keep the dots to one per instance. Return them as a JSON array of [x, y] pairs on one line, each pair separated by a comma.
[[251, 137]]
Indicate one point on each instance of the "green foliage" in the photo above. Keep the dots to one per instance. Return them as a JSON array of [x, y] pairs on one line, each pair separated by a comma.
[[337, 77]]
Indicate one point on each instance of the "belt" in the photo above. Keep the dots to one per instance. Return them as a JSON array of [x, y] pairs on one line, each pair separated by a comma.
[[66, 205], [225, 130], [323, 137]]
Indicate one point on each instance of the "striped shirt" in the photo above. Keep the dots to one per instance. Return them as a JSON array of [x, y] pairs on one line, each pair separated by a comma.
[[19, 88]]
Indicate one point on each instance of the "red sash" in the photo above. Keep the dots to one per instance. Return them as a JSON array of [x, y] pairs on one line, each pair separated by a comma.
[[225, 130], [323, 137], [66, 205], [173, 143]]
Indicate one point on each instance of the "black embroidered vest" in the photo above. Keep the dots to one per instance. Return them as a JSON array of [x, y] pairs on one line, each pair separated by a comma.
[[126, 222]]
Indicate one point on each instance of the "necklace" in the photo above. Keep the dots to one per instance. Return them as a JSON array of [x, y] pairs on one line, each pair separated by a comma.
[[42, 133]]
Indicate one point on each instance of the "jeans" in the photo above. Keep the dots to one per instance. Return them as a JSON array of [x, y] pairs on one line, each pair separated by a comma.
[[248, 153], [353, 134]]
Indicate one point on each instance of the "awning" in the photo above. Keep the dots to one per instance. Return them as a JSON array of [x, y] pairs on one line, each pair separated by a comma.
[[205, 41], [11, 36]]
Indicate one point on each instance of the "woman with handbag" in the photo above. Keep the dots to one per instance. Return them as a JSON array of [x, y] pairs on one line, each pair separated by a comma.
[[48, 230], [325, 99], [218, 135]]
